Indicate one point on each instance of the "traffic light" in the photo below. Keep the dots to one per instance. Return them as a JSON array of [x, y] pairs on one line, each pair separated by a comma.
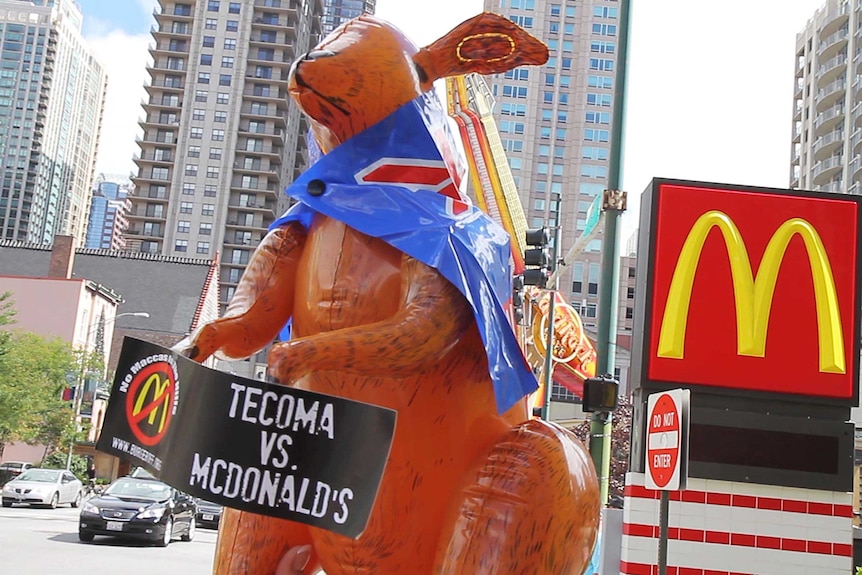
[[518, 298], [600, 393], [537, 257]]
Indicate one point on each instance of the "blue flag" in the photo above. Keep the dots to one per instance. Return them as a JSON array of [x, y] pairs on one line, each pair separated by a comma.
[[391, 182]]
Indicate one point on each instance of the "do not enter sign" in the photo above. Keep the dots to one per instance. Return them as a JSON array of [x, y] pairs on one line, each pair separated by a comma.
[[667, 440]]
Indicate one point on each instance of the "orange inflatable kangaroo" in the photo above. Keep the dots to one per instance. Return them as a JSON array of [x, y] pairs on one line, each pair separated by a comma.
[[466, 490]]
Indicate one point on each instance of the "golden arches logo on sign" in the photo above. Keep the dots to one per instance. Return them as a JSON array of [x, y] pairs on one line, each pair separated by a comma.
[[753, 292], [150, 402]]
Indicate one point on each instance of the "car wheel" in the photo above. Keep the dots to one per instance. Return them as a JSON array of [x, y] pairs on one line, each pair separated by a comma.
[[166, 539], [85, 536], [190, 534], [77, 500], [7, 503], [55, 499]]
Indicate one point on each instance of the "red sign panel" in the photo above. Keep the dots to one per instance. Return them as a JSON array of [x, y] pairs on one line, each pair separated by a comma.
[[754, 290], [664, 439]]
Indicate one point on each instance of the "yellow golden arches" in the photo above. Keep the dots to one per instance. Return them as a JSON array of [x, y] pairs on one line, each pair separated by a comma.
[[466, 39], [154, 380], [753, 293]]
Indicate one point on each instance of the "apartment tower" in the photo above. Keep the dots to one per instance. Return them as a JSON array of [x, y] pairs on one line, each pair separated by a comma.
[[827, 101], [221, 139], [555, 124], [52, 93]]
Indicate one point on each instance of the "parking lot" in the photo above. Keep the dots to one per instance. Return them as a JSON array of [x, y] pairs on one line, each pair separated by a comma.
[[38, 541]]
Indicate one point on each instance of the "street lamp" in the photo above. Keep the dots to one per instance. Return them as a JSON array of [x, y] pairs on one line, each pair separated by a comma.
[[79, 385]]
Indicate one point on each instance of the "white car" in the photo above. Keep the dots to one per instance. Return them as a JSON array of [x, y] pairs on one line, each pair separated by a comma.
[[37, 486]]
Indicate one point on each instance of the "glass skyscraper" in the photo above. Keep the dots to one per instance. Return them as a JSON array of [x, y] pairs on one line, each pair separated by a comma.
[[108, 211], [51, 101], [337, 12]]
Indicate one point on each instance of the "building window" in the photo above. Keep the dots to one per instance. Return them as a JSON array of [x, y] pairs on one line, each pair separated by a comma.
[[160, 173], [203, 78], [218, 135], [181, 245], [206, 59], [215, 153], [233, 8], [249, 182], [191, 169], [183, 226], [232, 25], [208, 209], [196, 133], [198, 114], [206, 229], [210, 191], [201, 95], [186, 207], [211, 24], [227, 62], [630, 293], [224, 80], [212, 171], [203, 247], [220, 117], [194, 151], [222, 98], [230, 44], [212, 6], [188, 189], [209, 42]]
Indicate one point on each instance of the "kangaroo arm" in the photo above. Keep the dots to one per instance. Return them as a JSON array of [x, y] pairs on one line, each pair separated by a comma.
[[263, 300], [432, 317]]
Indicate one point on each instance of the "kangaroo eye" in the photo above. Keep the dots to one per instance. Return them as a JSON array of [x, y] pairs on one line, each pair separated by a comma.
[[423, 75]]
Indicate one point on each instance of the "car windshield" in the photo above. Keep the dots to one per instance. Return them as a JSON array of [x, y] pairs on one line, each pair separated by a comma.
[[142, 489], [12, 465], [40, 475]]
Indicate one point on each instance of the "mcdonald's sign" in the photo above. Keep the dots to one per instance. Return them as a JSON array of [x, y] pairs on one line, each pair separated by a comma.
[[752, 289]]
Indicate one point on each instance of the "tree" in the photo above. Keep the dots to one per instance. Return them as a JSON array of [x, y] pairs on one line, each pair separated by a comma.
[[621, 440], [33, 373]]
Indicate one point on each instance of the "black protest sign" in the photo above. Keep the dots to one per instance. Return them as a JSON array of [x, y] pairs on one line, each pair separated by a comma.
[[250, 445]]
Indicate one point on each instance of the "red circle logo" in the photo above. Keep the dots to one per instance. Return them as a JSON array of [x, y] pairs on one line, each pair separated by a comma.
[[663, 440], [150, 402]]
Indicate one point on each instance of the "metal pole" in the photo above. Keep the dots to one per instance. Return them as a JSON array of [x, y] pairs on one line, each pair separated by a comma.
[[664, 505], [600, 424], [549, 340]]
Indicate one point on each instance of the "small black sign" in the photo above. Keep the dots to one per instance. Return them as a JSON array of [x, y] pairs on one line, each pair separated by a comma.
[[250, 445]]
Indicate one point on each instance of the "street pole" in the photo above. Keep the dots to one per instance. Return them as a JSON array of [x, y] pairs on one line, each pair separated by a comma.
[[614, 204], [547, 375]]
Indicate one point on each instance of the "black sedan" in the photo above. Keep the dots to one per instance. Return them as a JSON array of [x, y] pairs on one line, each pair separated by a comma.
[[209, 513], [138, 507]]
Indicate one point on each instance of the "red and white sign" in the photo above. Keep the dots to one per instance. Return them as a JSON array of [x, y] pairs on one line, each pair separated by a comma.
[[667, 440]]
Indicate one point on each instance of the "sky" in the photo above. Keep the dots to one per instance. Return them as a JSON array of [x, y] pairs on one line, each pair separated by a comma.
[[709, 91]]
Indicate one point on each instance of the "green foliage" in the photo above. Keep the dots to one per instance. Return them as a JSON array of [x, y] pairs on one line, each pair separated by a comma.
[[32, 377], [57, 460], [859, 571], [621, 439]]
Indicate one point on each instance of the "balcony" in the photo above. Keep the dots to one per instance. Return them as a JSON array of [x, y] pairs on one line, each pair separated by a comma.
[[825, 146], [166, 49], [262, 150], [171, 31], [161, 104], [257, 205], [177, 15], [164, 84], [832, 44], [162, 140], [832, 68], [825, 169], [830, 93], [145, 232], [835, 19], [153, 157], [828, 120], [280, 6], [273, 95]]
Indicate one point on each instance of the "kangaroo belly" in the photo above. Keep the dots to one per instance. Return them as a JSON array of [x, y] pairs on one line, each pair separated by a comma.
[[347, 279]]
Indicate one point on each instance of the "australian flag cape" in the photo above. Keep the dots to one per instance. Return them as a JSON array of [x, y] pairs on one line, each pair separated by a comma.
[[391, 182]]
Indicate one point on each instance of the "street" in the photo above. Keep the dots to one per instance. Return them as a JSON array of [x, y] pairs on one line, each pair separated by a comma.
[[37, 541]]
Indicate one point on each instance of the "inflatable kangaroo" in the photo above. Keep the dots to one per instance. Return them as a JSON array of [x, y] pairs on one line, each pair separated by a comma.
[[472, 484]]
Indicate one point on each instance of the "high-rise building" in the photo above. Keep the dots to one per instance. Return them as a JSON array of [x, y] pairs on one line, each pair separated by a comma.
[[220, 139], [52, 93], [555, 124], [337, 12], [827, 102], [108, 210]]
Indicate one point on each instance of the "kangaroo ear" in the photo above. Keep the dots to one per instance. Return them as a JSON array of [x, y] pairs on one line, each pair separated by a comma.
[[485, 44]]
